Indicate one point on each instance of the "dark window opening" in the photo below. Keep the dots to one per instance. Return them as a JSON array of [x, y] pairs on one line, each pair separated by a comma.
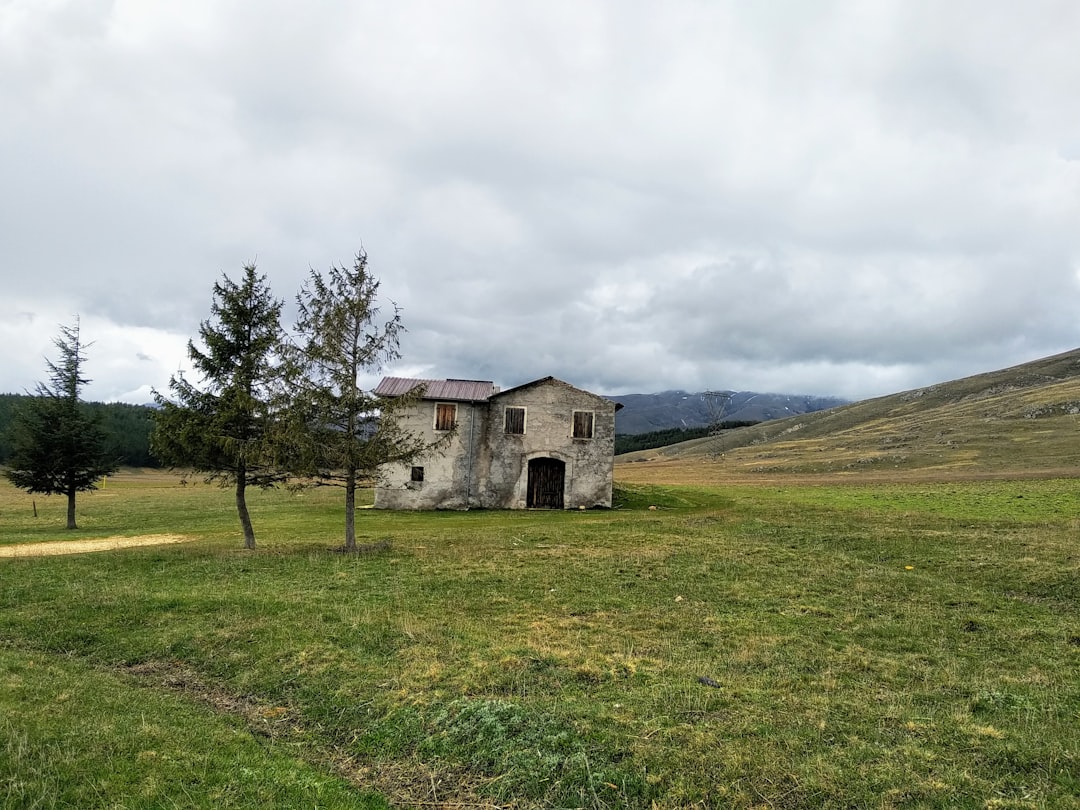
[[417, 474], [515, 421], [445, 416], [583, 424]]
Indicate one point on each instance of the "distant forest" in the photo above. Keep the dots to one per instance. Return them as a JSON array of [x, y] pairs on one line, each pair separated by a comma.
[[628, 443], [127, 429]]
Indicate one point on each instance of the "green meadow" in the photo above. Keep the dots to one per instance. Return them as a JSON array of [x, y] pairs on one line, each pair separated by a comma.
[[781, 644]]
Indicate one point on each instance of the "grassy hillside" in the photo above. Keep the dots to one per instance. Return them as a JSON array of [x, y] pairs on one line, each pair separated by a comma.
[[1025, 418], [869, 640]]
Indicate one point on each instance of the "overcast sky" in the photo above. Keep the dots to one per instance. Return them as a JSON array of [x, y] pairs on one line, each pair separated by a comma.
[[838, 198]]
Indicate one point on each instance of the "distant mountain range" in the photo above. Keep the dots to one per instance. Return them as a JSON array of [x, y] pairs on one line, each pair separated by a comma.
[[1022, 419], [643, 413]]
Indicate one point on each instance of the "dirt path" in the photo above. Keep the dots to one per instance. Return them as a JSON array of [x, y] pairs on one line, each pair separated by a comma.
[[83, 546]]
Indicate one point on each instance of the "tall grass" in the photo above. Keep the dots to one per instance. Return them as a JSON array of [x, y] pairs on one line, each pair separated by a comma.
[[785, 646]]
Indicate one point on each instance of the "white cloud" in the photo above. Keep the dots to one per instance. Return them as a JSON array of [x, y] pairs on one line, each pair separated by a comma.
[[123, 363]]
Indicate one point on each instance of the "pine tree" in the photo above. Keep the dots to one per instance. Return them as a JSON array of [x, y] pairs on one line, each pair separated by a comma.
[[58, 446], [225, 426], [347, 433]]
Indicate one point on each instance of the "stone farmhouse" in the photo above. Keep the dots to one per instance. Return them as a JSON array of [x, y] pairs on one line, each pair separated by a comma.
[[541, 445]]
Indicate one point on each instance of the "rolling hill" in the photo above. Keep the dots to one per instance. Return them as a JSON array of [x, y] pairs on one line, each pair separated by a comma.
[[1024, 418]]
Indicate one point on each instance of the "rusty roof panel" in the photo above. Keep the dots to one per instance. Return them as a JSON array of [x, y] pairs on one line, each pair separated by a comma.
[[460, 390]]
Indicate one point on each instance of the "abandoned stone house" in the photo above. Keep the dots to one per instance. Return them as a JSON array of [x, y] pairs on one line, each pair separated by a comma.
[[544, 444]]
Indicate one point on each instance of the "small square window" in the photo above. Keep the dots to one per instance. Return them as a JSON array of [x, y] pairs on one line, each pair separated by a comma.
[[445, 416], [514, 422], [583, 425], [417, 474]]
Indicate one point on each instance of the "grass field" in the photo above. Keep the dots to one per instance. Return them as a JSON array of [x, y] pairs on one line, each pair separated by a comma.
[[781, 643]]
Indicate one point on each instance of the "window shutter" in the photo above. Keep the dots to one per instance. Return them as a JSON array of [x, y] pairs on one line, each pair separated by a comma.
[[583, 424], [445, 416], [514, 422]]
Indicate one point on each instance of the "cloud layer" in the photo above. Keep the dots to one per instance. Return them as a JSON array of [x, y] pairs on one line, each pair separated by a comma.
[[833, 198]]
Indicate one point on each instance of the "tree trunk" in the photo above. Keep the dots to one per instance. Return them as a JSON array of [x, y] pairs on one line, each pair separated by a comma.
[[71, 508], [241, 507], [350, 510]]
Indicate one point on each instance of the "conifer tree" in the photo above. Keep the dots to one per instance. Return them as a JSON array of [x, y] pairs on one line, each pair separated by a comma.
[[224, 426], [58, 447], [347, 433]]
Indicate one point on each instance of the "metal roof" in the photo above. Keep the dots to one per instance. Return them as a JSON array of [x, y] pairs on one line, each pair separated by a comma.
[[460, 390]]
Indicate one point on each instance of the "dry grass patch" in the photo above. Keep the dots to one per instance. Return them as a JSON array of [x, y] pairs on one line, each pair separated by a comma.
[[48, 549]]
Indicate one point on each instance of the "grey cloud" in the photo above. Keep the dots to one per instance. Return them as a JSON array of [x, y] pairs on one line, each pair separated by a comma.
[[829, 199]]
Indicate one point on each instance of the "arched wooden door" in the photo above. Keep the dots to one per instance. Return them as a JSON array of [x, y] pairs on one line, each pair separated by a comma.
[[546, 479]]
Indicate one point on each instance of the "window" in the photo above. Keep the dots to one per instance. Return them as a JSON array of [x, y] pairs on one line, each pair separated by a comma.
[[417, 475], [583, 422], [515, 421], [445, 415]]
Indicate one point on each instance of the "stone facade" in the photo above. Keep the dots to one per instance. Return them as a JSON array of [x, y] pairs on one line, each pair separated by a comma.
[[545, 444]]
